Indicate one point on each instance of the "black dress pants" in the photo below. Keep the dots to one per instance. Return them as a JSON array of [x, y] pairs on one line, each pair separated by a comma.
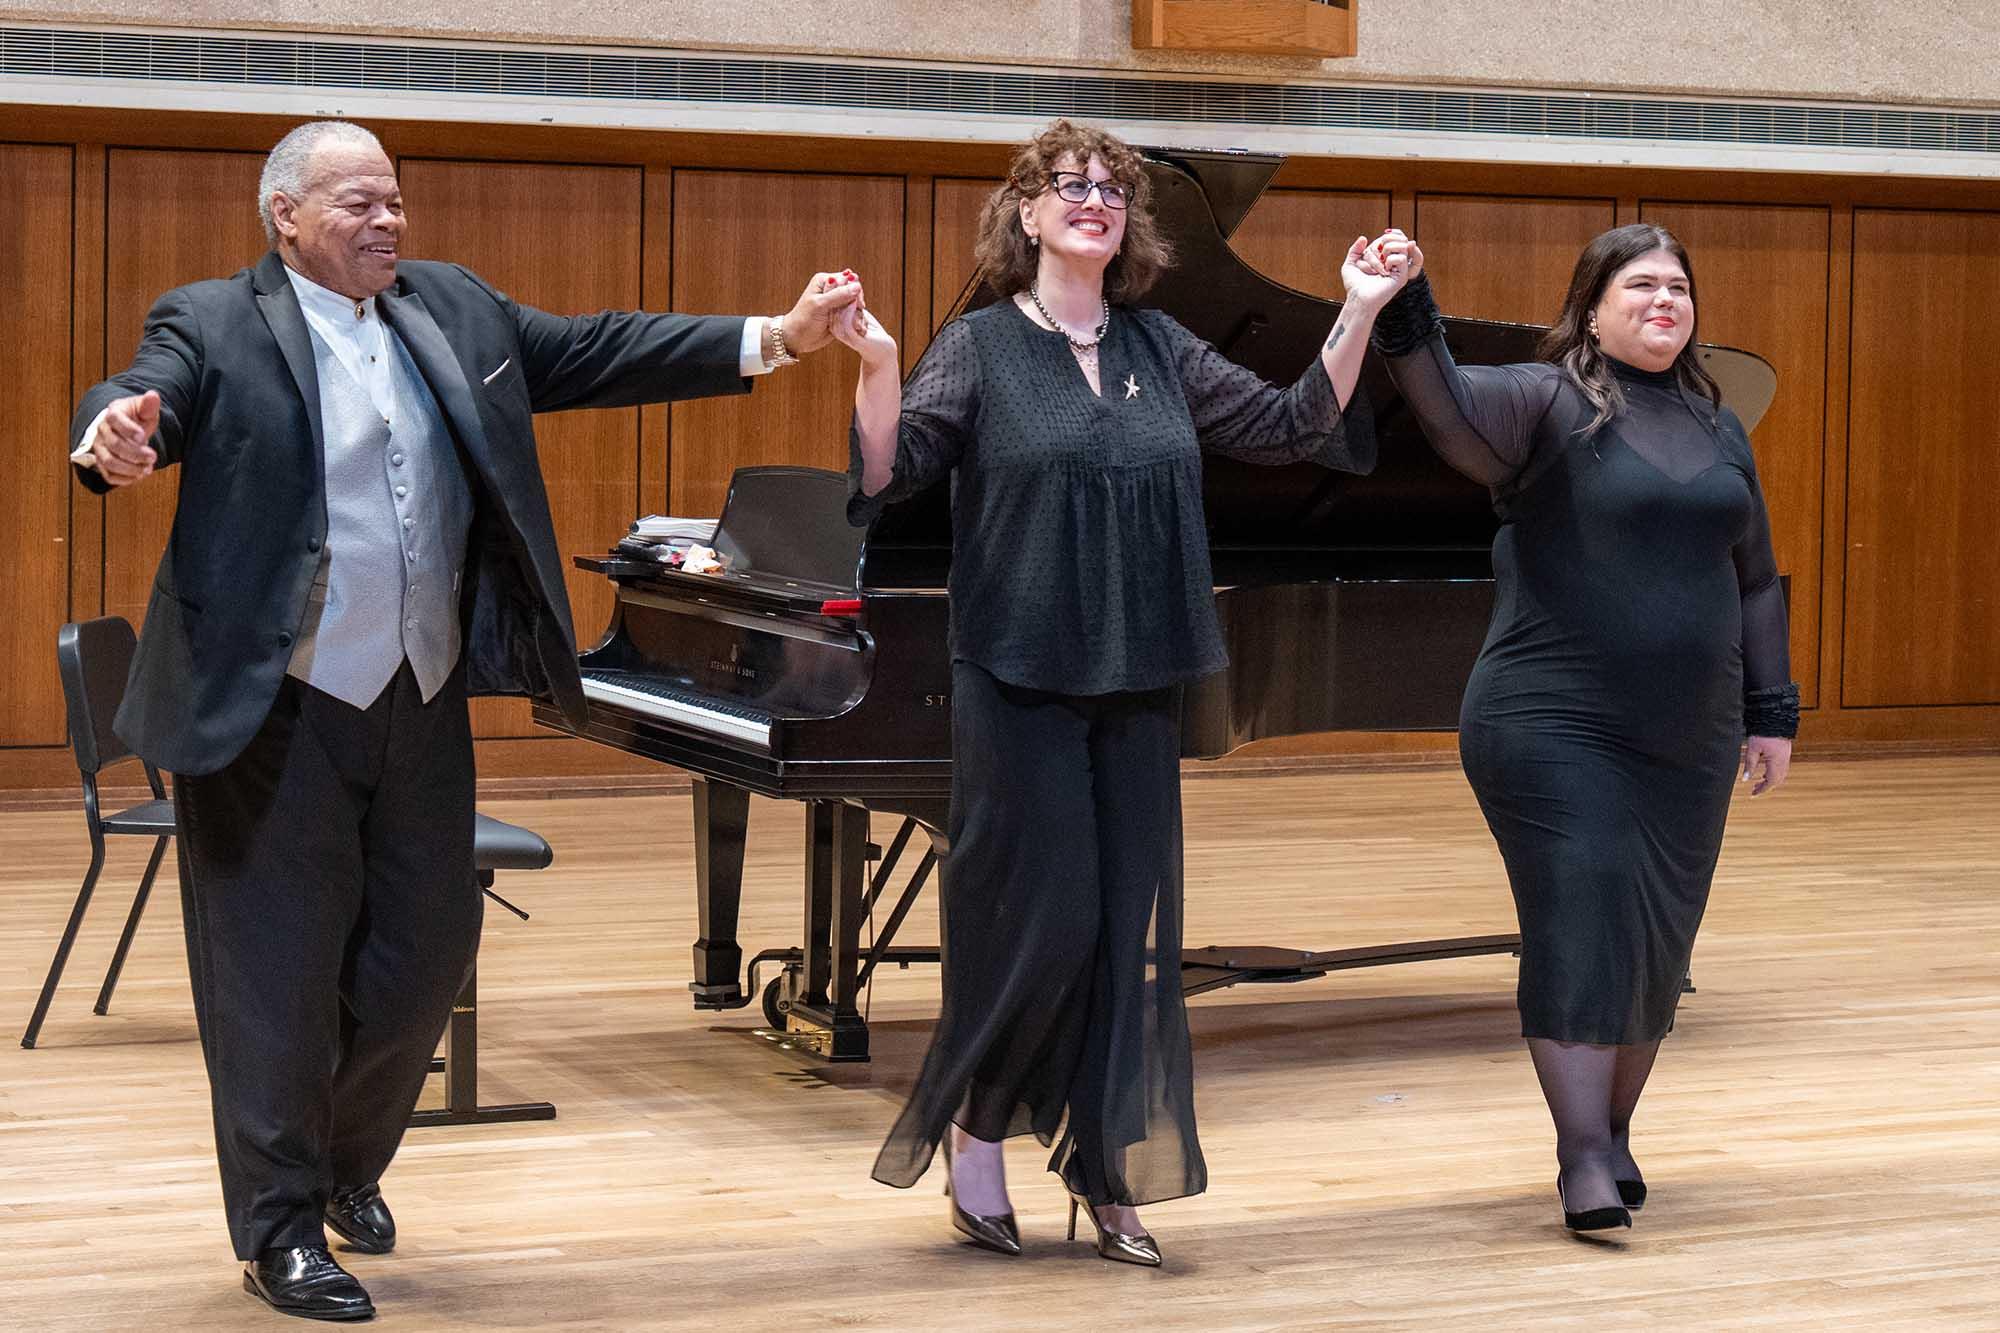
[[1062, 1012], [332, 912]]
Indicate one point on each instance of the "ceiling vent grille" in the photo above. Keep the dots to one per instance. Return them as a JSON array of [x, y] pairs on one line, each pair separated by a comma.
[[523, 73]]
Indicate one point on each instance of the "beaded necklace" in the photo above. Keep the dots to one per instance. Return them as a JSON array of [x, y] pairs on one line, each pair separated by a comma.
[[1103, 325]]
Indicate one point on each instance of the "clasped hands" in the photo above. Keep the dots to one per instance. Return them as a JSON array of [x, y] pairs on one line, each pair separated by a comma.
[[832, 306], [1376, 270], [812, 322], [854, 326]]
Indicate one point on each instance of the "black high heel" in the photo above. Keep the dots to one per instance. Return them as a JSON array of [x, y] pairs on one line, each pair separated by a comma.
[[997, 1232], [1632, 1193], [1591, 1219]]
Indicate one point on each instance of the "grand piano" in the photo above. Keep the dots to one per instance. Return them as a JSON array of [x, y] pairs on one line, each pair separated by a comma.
[[815, 666]]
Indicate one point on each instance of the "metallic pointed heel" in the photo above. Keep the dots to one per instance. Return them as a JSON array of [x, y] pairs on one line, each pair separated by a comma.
[[1116, 1246], [997, 1233]]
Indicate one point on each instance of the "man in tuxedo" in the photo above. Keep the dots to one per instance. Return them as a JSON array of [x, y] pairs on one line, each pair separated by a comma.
[[363, 542]]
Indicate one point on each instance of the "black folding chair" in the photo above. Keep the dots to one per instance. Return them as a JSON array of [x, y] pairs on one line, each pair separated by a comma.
[[95, 657]]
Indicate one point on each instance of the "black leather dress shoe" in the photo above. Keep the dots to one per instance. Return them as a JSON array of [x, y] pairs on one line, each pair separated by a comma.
[[359, 1217], [305, 1281]]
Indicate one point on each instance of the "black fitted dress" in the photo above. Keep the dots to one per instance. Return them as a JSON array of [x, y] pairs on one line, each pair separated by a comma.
[[1637, 604]]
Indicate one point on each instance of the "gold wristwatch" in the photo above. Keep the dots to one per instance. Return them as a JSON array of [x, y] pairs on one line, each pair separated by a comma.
[[774, 351]]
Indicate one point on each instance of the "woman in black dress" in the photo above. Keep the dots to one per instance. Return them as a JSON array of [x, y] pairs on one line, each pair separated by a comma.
[[1081, 601], [1637, 661]]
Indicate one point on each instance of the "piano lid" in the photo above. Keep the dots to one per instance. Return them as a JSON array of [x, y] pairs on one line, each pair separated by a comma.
[[1412, 501]]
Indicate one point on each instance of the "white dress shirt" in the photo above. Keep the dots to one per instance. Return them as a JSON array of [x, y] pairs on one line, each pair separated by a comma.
[[353, 331]]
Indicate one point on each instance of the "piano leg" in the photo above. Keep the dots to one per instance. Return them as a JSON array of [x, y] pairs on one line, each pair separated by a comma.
[[721, 821], [819, 901], [836, 891], [850, 910]]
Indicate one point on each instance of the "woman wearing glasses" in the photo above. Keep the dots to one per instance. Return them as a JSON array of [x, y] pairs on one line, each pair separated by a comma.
[[1081, 602]]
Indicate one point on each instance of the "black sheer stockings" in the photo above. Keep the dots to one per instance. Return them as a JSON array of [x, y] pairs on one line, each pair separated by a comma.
[[1592, 1092], [1628, 1079]]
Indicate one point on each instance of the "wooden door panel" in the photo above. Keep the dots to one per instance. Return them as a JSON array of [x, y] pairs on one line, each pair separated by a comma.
[[35, 402], [1299, 237], [171, 217], [1493, 257], [745, 243], [565, 239], [955, 208], [1922, 617]]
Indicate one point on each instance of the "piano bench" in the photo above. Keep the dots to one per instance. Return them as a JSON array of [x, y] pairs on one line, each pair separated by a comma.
[[495, 846]]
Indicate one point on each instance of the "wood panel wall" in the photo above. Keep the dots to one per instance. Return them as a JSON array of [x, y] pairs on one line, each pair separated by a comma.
[[1506, 258], [747, 242], [570, 240], [1876, 456], [1923, 479], [162, 228], [955, 209], [1299, 237], [35, 258]]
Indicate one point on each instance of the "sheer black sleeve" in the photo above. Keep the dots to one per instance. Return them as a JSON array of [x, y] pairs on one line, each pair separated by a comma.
[[940, 409], [1770, 698], [1240, 414], [1481, 419]]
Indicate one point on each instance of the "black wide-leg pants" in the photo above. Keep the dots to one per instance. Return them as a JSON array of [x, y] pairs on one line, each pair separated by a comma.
[[1061, 903], [332, 912]]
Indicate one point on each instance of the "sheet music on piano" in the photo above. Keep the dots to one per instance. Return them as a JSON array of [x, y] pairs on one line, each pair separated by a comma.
[[667, 528], [669, 540]]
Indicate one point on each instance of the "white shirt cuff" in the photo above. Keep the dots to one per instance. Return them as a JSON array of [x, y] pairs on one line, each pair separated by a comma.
[[82, 455], [750, 356]]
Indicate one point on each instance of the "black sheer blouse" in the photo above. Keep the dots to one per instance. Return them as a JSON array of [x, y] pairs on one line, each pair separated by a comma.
[[1079, 549]]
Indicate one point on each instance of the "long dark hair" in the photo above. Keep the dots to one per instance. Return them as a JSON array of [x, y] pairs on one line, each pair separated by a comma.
[[1002, 248], [1569, 344]]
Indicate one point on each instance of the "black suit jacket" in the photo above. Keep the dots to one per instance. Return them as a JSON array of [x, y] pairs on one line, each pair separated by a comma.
[[239, 412]]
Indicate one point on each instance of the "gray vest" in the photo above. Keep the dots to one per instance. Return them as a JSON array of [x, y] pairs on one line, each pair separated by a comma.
[[397, 512]]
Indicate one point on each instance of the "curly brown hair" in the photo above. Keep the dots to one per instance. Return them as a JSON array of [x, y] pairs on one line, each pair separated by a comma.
[[1004, 254]]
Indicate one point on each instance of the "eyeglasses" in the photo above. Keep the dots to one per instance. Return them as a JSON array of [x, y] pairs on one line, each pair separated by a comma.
[[1074, 187]]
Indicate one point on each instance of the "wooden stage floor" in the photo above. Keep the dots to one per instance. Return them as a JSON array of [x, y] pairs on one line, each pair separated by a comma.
[[1822, 1135]]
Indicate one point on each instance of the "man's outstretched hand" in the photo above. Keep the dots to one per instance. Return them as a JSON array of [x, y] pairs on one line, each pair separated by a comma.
[[121, 448]]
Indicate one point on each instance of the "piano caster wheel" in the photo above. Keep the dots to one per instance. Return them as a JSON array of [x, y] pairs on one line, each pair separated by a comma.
[[776, 1002]]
